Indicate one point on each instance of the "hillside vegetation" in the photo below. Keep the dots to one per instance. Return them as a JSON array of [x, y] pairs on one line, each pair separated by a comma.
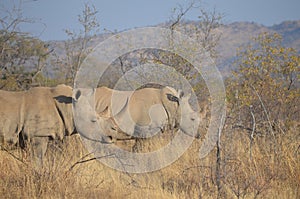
[[232, 37]]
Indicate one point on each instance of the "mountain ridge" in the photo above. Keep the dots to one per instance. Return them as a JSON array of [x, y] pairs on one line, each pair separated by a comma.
[[233, 36], [238, 34]]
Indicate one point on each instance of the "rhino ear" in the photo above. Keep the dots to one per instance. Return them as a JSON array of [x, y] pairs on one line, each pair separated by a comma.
[[172, 98], [77, 95], [105, 113], [188, 96], [180, 94]]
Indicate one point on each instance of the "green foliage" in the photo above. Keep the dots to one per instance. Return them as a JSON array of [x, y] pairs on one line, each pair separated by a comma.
[[265, 90]]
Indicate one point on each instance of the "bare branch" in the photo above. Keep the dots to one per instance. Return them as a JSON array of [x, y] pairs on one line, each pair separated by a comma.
[[264, 108], [181, 14], [83, 160], [253, 130], [11, 154]]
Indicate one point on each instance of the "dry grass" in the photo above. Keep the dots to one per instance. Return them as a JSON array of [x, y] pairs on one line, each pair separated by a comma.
[[272, 171]]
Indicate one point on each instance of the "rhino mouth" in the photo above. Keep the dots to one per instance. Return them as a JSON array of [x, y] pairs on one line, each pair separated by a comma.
[[191, 131]]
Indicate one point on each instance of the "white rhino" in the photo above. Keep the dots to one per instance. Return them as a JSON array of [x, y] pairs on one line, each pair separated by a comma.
[[89, 124], [146, 111], [36, 115]]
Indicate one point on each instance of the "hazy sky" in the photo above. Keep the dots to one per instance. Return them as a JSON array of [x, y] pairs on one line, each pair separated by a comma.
[[53, 16]]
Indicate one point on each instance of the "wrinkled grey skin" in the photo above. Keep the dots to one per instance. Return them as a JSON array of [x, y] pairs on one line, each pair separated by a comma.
[[35, 116]]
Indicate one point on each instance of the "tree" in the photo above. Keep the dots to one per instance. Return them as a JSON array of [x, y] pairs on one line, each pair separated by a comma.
[[77, 47], [265, 91], [22, 57], [263, 110]]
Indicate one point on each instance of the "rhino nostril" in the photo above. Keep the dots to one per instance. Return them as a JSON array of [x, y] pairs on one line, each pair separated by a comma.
[[107, 139]]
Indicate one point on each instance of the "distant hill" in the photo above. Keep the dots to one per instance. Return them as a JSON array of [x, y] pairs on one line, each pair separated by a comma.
[[238, 34], [290, 30], [234, 35]]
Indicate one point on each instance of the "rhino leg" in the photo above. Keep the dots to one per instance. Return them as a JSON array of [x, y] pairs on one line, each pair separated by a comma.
[[39, 148]]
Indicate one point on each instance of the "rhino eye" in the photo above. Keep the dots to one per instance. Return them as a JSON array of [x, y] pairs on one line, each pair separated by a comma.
[[172, 98]]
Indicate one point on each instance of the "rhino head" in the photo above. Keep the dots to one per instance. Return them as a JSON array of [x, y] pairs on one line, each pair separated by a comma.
[[88, 123], [187, 118]]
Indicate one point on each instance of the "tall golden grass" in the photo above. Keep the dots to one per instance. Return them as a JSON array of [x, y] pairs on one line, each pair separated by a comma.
[[270, 168]]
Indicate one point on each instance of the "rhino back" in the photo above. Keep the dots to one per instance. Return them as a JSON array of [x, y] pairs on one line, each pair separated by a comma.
[[41, 118], [155, 100], [114, 100], [140, 104]]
